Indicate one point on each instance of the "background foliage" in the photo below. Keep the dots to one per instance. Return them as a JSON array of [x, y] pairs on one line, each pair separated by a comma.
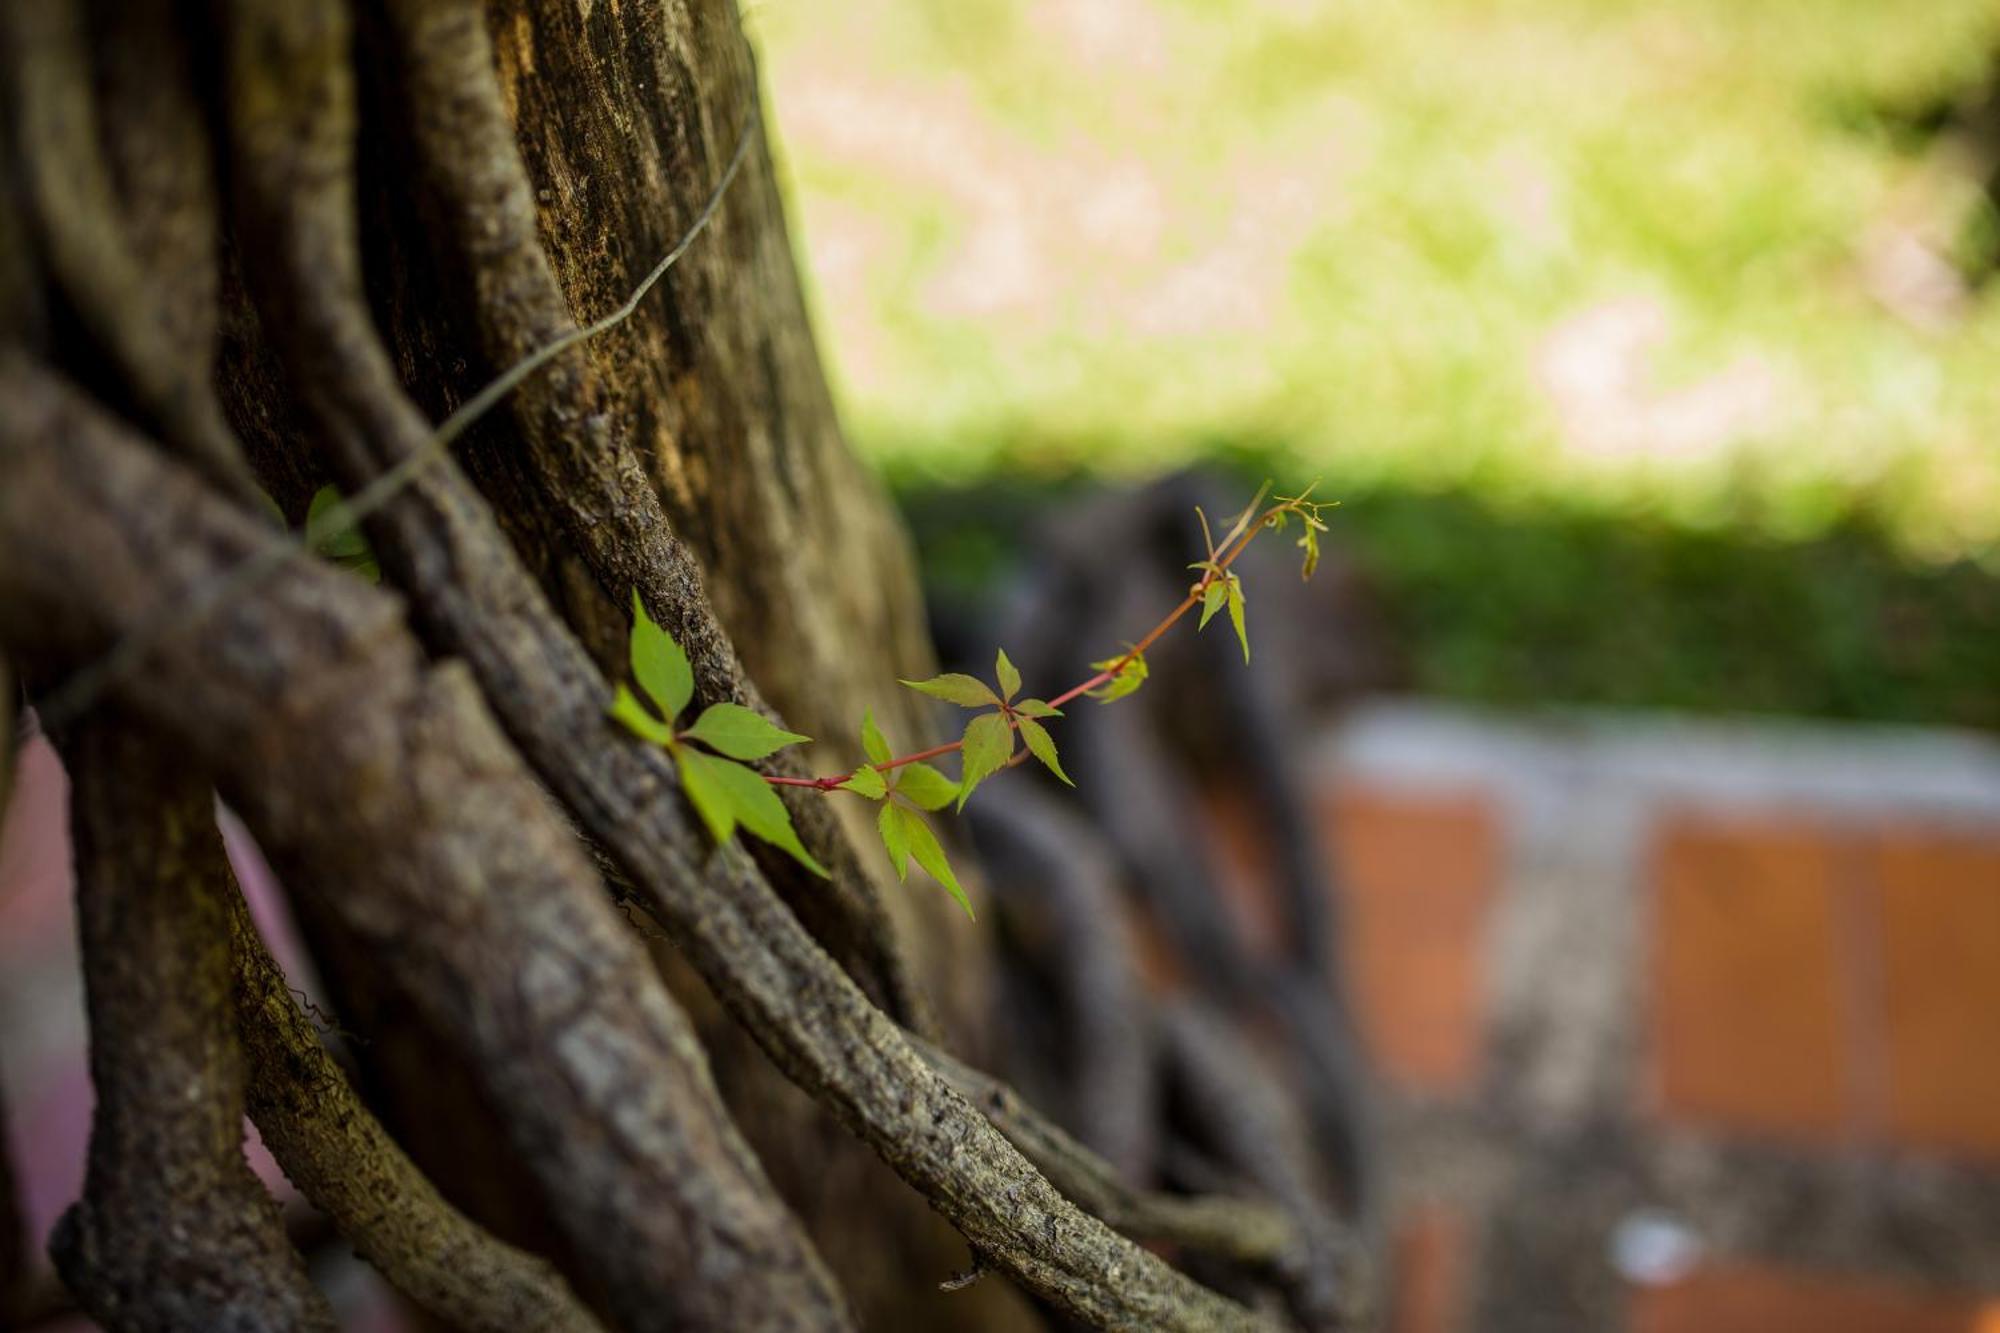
[[1648, 341]]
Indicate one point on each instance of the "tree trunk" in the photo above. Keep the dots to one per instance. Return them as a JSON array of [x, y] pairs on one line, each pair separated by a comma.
[[262, 245]]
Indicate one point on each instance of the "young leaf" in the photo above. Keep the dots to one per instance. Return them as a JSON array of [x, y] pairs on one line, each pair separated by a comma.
[[957, 688], [739, 732], [626, 708], [868, 782], [1212, 598], [706, 793], [1130, 674], [333, 534], [894, 822], [989, 743], [748, 800], [873, 743], [924, 786], [924, 846], [1038, 707], [1043, 748], [658, 663], [1009, 678], [1236, 615], [1310, 541]]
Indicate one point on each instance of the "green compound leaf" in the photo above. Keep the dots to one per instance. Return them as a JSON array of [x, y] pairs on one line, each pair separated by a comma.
[[658, 663], [923, 845], [894, 823], [873, 743], [957, 688], [1130, 674], [866, 781], [989, 743], [626, 708], [1236, 615], [1038, 707], [1041, 746], [739, 732], [924, 786], [725, 794], [1212, 598], [1005, 673]]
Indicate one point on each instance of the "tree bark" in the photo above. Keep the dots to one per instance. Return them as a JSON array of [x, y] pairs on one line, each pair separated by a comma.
[[332, 1147], [386, 211], [173, 1231], [381, 786]]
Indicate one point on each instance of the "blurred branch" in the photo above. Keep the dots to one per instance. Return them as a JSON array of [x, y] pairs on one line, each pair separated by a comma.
[[334, 1149], [1243, 1230]]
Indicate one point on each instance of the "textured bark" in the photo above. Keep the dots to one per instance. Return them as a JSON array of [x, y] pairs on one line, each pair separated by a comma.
[[1245, 1230], [579, 447], [593, 433], [120, 185], [381, 786], [173, 1231], [1057, 897], [1236, 1108], [435, 817], [478, 602], [337, 1153], [624, 116]]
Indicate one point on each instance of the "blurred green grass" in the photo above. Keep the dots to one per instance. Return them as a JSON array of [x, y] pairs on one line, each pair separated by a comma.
[[1654, 266]]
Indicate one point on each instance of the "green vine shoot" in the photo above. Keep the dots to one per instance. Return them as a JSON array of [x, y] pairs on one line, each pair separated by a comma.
[[714, 752]]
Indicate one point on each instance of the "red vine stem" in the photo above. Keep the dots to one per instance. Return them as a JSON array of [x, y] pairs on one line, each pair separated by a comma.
[[1103, 677]]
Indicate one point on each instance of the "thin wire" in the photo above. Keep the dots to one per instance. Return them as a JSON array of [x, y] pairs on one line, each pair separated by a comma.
[[75, 695]]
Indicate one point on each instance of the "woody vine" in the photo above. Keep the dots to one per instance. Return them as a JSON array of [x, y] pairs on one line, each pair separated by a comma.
[[713, 753]]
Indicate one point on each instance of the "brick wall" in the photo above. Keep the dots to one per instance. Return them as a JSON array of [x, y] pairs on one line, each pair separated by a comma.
[[1681, 1028]]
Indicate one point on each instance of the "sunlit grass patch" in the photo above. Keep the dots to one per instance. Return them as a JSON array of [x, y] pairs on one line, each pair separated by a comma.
[[1661, 254]]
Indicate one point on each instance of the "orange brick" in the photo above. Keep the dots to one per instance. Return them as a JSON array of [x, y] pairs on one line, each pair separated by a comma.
[[1941, 975], [1747, 1013], [1417, 877], [1756, 1300], [1430, 1272]]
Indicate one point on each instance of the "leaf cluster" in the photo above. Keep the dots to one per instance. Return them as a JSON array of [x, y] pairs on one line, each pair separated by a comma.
[[1309, 513], [988, 743], [724, 792], [1127, 672], [905, 789], [713, 752]]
